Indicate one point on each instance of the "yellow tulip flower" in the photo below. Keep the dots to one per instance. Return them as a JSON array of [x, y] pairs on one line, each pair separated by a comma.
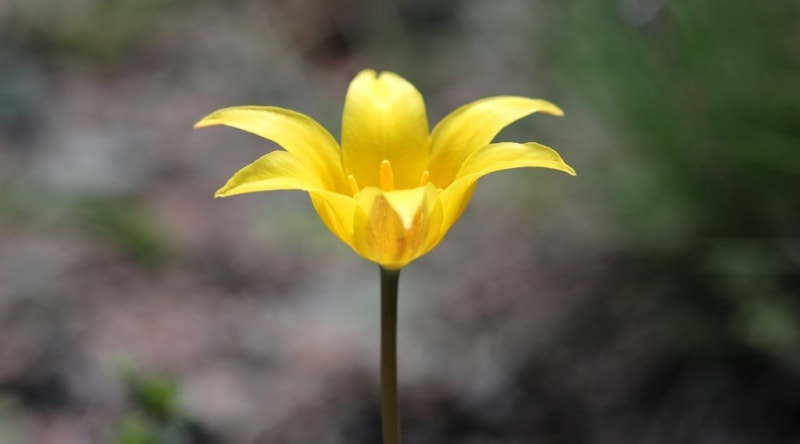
[[393, 188]]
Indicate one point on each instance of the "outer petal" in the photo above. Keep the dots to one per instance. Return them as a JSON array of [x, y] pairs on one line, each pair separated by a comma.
[[394, 228], [473, 126], [384, 119], [337, 212], [508, 155], [278, 170], [297, 133], [491, 158]]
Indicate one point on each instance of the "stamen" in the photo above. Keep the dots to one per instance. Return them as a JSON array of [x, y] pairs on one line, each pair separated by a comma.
[[387, 176], [426, 176], [351, 180]]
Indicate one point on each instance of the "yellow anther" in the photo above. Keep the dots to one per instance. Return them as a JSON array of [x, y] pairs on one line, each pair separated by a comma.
[[387, 176], [426, 176], [351, 180]]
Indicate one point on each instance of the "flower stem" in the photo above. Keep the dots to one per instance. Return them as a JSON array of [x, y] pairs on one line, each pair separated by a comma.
[[390, 416]]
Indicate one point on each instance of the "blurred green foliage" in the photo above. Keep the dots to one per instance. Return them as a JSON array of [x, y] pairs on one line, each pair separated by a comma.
[[155, 416], [124, 223], [156, 396], [127, 225], [705, 95], [94, 30], [702, 99]]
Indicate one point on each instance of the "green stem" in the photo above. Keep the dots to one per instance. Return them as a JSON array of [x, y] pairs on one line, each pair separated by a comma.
[[390, 416]]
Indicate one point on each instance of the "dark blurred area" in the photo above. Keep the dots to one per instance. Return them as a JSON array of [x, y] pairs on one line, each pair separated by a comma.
[[654, 298]]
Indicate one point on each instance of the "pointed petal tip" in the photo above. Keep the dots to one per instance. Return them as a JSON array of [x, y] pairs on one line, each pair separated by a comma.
[[563, 167], [222, 116], [543, 106], [204, 123], [225, 191], [550, 108], [209, 120]]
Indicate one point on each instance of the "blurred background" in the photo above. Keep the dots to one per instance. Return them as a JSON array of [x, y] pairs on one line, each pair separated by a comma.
[[651, 299]]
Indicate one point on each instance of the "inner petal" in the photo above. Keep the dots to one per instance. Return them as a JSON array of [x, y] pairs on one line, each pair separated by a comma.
[[384, 119]]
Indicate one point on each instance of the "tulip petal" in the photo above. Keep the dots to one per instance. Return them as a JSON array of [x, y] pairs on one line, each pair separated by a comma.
[[455, 199], [278, 170], [337, 212], [508, 155], [297, 133], [473, 126], [492, 158], [394, 228], [384, 119]]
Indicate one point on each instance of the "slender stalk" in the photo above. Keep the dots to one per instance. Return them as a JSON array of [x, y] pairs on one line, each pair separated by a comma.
[[389, 412]]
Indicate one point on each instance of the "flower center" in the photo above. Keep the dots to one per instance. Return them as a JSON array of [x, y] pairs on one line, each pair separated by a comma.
[[386, 177]]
